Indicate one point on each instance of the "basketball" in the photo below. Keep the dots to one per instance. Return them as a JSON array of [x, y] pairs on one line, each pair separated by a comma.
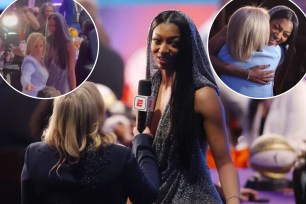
[[272, 156]]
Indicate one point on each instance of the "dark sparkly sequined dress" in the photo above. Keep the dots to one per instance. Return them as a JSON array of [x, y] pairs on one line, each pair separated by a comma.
[[179, 186]]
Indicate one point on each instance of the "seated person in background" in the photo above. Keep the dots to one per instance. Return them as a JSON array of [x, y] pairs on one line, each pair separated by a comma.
[[77, 163], [34, 74]]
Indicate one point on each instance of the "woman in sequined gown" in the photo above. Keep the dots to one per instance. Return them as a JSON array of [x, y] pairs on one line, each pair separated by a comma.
[[188, 115], [60, 56]]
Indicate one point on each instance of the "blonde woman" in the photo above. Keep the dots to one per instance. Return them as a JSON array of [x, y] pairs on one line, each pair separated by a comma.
[[248, 35], [77, 163], [34, 74]]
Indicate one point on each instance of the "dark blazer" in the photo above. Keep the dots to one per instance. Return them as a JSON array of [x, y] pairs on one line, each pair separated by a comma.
[[109, 175]]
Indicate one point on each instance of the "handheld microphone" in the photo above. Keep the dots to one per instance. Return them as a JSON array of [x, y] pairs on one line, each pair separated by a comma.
[[143, 102]]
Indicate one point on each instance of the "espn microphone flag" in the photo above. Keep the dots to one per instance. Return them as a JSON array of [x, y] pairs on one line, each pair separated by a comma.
[[143, 102]]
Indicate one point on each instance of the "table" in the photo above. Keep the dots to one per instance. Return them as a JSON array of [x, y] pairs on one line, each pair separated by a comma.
[[276, 197]]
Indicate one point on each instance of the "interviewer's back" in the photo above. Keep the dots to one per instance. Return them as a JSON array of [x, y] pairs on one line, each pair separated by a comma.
[[77, 163], [104, 176]]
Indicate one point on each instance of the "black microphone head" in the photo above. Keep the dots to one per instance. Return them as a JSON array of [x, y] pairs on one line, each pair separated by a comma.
[[144, 87]]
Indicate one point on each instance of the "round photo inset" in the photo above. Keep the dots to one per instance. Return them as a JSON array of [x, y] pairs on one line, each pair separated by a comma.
[[47, 49], [253, 47]]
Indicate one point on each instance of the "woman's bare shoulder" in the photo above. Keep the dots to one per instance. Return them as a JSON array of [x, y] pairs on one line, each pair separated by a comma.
[[206, 98]]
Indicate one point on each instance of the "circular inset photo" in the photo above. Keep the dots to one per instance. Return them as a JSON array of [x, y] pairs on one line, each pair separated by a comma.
[[257, 48], [47, 49]]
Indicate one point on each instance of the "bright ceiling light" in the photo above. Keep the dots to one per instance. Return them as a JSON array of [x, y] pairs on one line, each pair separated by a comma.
[[10, 20]]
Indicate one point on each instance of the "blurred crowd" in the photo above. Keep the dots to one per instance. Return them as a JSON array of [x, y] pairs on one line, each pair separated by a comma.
[[48, 45]]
